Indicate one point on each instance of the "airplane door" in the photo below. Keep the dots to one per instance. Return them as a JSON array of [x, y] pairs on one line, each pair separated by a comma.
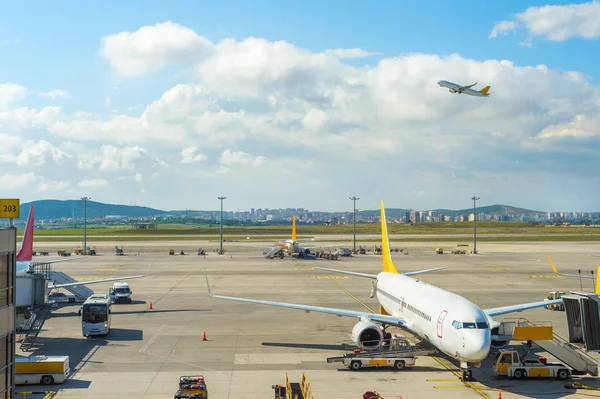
[[440, 323]]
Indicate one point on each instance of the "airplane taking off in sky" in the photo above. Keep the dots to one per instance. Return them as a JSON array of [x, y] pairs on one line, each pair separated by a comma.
[[25, 263], [454, 88], [451, 323]]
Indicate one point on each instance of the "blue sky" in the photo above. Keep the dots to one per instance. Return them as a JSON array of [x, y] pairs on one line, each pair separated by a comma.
[[528, 119]]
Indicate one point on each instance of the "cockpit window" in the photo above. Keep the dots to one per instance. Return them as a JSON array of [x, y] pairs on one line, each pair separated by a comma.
[[482, 325], [471, 326]]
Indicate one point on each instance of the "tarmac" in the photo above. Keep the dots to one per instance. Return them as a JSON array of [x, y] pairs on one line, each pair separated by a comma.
[[251, 347]]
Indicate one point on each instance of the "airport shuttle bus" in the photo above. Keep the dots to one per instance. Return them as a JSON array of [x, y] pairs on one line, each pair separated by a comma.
[[95, 315]]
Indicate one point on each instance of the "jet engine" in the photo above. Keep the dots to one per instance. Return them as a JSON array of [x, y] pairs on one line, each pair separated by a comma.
[[367, 335], [497, 343], [305, 251], [452, 90]]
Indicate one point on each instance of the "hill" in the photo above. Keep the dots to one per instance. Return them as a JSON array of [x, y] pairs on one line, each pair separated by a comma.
[[55, 209], [491, 209]]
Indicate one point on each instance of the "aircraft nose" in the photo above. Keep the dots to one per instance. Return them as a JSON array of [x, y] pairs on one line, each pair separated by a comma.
[[477, 345]]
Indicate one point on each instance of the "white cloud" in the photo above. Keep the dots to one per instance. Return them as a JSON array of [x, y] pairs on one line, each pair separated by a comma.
[[239, 158], [153, 47], [17, 181], [54, 94], [38, 154], [11, 93], [59, 186], [580, 127], [137, 177], [555, 22], [351, 53], [93, 183], [192, 155], [111, 158]]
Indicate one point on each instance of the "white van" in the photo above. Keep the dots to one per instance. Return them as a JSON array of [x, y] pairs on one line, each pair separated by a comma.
[[120, 292]]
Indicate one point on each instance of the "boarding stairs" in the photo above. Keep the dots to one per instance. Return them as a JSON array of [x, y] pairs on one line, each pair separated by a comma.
[[271, 253], [543, 337], [41, 315], [81, 292]]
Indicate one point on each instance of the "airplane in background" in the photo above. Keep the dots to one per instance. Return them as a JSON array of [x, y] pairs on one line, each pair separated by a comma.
[[450, 322], [26, 265], [290, 246], [454, 88]]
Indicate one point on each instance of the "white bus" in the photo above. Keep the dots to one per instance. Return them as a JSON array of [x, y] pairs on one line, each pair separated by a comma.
[[95, 315]]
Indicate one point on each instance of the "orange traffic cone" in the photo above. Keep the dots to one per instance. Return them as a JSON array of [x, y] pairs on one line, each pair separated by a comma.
[[499, 395], [204, 337], [230, 256], [150, 305], [204, 256]]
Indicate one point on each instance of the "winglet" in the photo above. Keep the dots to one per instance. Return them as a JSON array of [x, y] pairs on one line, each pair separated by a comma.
[[208, 285], [552, 264], [293, 227], [485, 90], [26, 252], [388, 265]]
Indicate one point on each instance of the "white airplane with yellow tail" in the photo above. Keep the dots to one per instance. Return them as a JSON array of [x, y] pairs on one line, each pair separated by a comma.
[[450, 322], [458, 89], [291, 246]]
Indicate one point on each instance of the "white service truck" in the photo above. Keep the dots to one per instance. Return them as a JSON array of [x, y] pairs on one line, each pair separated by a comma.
[[120, 292]]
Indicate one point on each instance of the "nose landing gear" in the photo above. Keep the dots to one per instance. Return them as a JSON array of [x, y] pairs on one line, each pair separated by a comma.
[[466, 372]]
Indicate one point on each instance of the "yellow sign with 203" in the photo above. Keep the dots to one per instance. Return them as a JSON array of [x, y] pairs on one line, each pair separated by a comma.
[[10, 208]]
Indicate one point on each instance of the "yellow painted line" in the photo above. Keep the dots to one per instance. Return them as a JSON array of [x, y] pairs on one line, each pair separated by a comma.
[[351, 295], [457, 374], [450, 387], [325, 277], [296, 269]]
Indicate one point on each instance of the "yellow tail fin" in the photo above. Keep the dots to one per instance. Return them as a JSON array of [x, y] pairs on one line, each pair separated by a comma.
[[293, 227], [598, 281], [388, 265], [485, 89]]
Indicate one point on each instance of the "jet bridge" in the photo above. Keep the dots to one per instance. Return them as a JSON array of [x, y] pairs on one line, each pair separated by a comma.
[[583, 319]]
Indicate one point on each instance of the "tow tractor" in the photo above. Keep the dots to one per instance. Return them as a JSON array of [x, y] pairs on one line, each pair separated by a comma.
[[552, 296], [399, 355], [509, 363], [192, 387]]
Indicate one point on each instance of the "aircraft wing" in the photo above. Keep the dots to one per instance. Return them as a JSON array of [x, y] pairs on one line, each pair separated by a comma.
[[374, 276], [468, 87], [321, 246], [53, 286], [55, 261], [389, 320], [424, 271], [518, 308]]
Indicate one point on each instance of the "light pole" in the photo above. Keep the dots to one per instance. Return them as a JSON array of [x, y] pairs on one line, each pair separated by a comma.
[[354, 199], [85, 199], [221, 247], [474, 223]]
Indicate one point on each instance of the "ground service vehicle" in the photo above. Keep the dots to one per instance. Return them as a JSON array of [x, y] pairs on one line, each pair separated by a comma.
[[44, 370], [192, 387], [95, 315], [61, 297], [552, 296], [508, 363], [120, 292]]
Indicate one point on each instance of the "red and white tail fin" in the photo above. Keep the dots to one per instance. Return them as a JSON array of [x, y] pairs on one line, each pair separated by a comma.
[[26, 252]]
